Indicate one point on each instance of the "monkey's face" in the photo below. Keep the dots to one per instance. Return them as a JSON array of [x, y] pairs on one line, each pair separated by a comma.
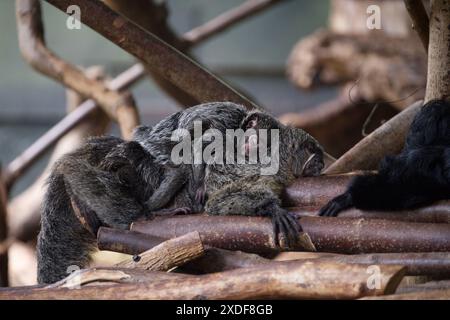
[[307, 155], [258, 120]]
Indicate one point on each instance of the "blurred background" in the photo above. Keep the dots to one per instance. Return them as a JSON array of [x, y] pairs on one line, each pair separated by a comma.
[[251, 55], [336, 68]]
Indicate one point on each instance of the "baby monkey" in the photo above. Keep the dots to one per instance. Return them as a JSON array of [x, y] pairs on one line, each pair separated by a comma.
[[241, 189]]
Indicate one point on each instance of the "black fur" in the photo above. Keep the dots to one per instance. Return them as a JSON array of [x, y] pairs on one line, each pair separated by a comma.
[[418, 176]]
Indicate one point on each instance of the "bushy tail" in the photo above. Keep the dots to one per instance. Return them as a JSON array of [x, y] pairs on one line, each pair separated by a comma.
[[63, 243]]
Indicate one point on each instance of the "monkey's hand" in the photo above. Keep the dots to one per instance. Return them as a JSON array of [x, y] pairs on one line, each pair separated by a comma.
[[285, 225], [335, 206], [200, 195]]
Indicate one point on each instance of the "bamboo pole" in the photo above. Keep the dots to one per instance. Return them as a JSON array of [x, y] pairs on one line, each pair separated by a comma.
[[290, 280], [340, 235]]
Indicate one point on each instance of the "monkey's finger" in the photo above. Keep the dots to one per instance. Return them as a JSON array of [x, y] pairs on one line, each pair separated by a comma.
[[291, 229], [329, 210], [276, 229]]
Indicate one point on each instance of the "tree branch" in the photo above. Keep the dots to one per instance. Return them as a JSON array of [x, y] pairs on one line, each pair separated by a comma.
[[341, 235], [119, 106], [289, 280], [167, 255], [420, 20]]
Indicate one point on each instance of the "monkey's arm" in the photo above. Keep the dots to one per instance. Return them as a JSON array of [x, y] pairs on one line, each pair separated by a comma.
[[255, 200], [174, 179]]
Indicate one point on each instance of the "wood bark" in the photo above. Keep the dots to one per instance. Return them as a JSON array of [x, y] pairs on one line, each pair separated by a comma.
[[436, 264], [438, 80], [290, 280], [340, 235], [167, 255]]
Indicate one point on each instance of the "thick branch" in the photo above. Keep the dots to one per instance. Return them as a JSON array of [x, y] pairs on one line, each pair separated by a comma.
[[438, 80], [168, 255], [341, 235], [431, 263], [214, 260], [119, 106], [436, 213], [387, 139], [420, 20], [168, 62], [291, 280]]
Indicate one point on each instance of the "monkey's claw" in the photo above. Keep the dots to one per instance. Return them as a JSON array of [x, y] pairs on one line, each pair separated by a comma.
[[200, 195], [285, 225], [331, 209], [335, 206]]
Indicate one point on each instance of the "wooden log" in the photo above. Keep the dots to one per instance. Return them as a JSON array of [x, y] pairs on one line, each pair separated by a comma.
[[213, 259], [167, 255], [427, 286], [436, 264], [421, 295], [3, 234], [315, 191], [218, 260], [340, 235], [438, 79], [290, 280], [436, 213], [165, 60], [386, 140], [125, 241]]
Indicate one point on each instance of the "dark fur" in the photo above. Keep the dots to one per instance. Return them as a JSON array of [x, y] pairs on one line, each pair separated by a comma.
[[418, 176], [118, 182], [239, 189]]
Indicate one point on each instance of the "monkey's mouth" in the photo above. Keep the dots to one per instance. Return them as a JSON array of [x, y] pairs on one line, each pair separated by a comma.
[[313, 166]]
